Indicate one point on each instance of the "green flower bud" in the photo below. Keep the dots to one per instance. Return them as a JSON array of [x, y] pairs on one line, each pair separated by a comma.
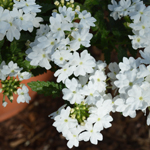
[[15, 92], [82, 123], [16, 80], [72, 110], [15, 86], [11, 98], [3, 85], [7, 94], [1, 90]]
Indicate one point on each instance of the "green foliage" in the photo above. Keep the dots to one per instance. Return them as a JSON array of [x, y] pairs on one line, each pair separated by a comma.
[[12, 52], [46, 10], [109, 33], [47, 88], [1, 44], [122, 52], [38, 70], [46, 7]]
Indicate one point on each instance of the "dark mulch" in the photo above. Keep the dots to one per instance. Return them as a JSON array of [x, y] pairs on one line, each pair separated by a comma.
[[32, 130]]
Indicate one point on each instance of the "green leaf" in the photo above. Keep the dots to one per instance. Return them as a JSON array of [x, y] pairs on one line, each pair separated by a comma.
[[1, 43], [38, 70], [122, 52], [46, 7], [47, 88], [116, 33], [26, 65], [107, 54]]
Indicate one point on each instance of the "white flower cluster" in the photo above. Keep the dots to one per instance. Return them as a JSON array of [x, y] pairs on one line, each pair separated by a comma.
[[90, 128], [9, 86], [22, 17], [139, 14], [90, 106], [59, 42], [132, 79]]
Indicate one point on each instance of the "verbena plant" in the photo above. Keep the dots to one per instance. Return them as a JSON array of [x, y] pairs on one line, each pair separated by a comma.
[[40, 36]]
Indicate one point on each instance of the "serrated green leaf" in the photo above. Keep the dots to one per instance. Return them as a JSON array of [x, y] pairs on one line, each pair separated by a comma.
[[46, 88]]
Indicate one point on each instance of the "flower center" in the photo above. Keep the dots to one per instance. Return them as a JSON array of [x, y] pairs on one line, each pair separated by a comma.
[[138, 39], [52, 43], [79, 39], [143, 27], [66, 120], [44, 55], [21, 18], [98, 80], [59, 29], [130, 83], [91, 94], [22, 93], [141, 13], [98, 119], [81, 63], [10, 23], [141, 98], [61, 58]]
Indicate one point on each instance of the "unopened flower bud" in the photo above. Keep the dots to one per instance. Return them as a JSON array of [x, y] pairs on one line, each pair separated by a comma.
[[77, 108], [11, 98], [27, 43], [16, 80], [1, 90], [83, 118], [62, 2], [71, 1], [78, 7], [72, 5], [78, 116], [68, 3], [3, 85], [54, 10], [7, 94], [82, 123], [15, 92], [21, 85], [15, 86], [72, 110], [73, 116], [83, 103], [56, 3], [84, 108]]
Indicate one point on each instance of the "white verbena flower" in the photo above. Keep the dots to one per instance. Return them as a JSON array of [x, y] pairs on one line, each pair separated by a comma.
[[23, 95]]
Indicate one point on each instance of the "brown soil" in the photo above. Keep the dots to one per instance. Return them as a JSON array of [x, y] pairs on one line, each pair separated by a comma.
[[32, 130]]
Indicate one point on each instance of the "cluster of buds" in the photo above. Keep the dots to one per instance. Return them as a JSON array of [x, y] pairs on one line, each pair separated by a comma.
[[6, 4], [9, 86], [80, 112], [68, 4]]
